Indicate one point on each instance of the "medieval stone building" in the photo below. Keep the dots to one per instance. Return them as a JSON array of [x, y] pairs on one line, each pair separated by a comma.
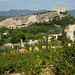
[[59, 9]]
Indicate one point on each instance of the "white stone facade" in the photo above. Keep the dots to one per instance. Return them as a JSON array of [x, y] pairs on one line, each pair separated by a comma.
[[70, 32], [59, 9], [32, 42]]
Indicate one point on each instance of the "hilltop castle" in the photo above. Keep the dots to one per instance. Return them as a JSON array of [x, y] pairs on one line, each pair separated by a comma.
[[59, 9], [24, 21]]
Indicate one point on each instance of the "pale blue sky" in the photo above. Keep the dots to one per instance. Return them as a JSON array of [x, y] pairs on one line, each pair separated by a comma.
[[35, 4]]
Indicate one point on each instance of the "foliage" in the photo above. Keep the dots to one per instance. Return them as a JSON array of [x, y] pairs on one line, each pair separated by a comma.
[[62, 60], [31, 36], [1, 19], [74, 34], [63, 38], [64, 13], [16, 47], [55, 42], [16, 36], [46, 41], [2, 30], [7, 40], [40, 44], [2, 41], [56, 30], [32, 62], [44, 24], [26, 45], [64, 21], [5, 49]]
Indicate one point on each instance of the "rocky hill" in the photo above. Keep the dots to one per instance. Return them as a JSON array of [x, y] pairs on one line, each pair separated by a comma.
[[23, 21]]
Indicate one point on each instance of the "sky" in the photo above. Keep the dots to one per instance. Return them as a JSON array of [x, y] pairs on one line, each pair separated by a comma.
[[6, 5]]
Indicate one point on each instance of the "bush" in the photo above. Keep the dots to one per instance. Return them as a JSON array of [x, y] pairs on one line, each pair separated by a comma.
[[62, 60]]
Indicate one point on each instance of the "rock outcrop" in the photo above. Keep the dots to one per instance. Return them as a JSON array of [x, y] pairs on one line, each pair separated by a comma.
[[23, 21]]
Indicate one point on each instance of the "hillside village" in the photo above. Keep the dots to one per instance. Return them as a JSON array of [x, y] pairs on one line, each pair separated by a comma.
[[34, 19], [24, 21], [48, 32]]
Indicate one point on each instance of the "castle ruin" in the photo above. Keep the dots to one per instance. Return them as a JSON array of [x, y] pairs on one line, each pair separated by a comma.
[[59, 9]]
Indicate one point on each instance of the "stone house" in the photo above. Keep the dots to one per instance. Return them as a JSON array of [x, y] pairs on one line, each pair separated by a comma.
[[9, 44], [70, 32], [52, 35], [32, 42]]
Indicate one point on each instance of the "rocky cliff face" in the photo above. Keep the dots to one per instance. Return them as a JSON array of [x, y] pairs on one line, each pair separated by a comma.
[[28, 19]]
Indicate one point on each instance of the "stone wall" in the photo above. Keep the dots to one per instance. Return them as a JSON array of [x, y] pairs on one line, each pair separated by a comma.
[[59, 9]]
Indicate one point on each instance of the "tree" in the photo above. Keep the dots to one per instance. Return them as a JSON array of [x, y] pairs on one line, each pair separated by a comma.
[[2, 30], [39, 36], [26, 45], [19, 36], [2, 41], [16, 36], [31, 36], [63, 37], [74, 36], [40, 44], [46, 41], [16, 47], [56, 30]]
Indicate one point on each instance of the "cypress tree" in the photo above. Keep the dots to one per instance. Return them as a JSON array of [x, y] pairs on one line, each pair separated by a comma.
[[41, 44], [46, 41], [26, 43]]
